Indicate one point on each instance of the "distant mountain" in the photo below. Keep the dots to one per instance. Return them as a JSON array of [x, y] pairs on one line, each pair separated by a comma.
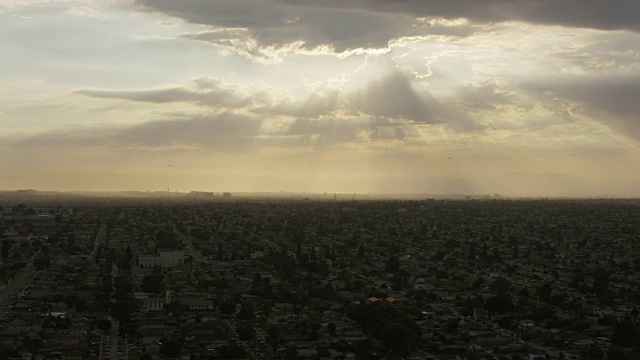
[[517, 184]]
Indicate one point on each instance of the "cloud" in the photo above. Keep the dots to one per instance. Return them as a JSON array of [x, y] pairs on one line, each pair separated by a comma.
[[596, 14], [264, 30], [203, 91], [53, 140], [85, 11], [485, 96], [610, 100], [397, 96], [317, 103], [24, 3], [394, 96], [223, 132]]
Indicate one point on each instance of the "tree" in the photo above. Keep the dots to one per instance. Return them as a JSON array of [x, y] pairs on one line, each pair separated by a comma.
[[40, 263], [477, 283], [396, 330], [176, 307], [500, 285], [123, 288], [625, 334], [246, 332], [257, 280], [247, 311], [98, 254], [81, 305], [124, 263], [523, 296], [18, 209], [123, 310], [231, 352], [601, 282], [227, 307], [166, 240], [104, 324], [7, 351], [171, 348], [499, 304], [153, 284], [393, 264], [312, 255], [189, 262], [543, 292], [472, 253], [220, 253], [290, 354], [616, 353], [397, 282], [331, 327], [6, 247], [273, 331], [452, 326]]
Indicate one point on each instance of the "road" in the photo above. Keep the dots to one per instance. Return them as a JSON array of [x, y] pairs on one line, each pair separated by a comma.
[[200, 260], [263, 349], [113, 354], [269, 243], [109, 342], [99, 239], [22, 280]]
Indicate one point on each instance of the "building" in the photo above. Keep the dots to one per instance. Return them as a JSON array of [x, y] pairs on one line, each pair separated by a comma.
[[155, 304], [199, 304], [201, 194], [152, 304], [166, 259]]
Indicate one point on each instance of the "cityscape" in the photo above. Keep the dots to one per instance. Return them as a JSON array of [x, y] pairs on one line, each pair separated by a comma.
[[179, 277], [319, 179]]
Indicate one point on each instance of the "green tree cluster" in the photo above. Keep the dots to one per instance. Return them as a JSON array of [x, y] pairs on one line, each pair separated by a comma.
[[396, 330]]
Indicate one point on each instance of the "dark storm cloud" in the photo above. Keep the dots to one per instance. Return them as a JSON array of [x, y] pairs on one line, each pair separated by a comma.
[[597, 14], [344, 25], [276, 24], [340, 32]]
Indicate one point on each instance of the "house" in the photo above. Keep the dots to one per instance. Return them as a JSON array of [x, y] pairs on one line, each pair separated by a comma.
[[152, 304], [199, 304], [166, 259]]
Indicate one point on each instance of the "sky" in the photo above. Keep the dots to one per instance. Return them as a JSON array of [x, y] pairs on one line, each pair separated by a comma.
[[519, 98]]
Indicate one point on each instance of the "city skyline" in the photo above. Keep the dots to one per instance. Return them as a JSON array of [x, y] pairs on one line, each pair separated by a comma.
[[470, 97]]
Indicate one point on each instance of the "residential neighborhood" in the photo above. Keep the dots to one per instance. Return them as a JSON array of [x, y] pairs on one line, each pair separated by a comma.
[[232, 277]]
